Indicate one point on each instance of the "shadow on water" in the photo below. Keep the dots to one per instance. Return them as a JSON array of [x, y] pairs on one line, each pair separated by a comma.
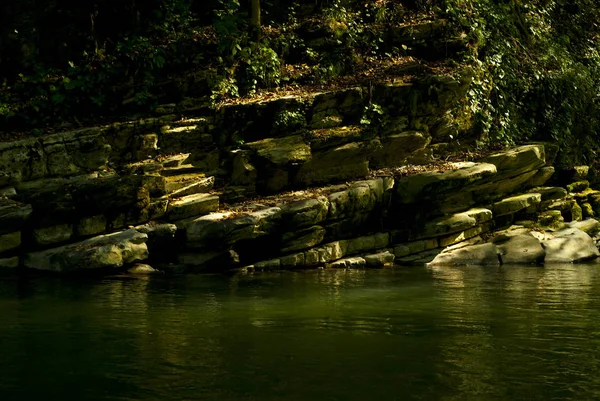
[[507, 333]]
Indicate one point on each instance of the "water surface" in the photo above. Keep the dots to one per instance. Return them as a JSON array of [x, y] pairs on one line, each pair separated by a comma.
[[510, 333]]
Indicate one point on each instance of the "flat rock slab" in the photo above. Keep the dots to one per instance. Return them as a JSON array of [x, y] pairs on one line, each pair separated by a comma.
[[570, 245], [282, 151], [305, 213], [192, 205], [455, 223], [515, 203], [12, 215], [588, 226], [482, 254], [349, 263], [102, 252], [433, 184], [518, 160], [550, 193]]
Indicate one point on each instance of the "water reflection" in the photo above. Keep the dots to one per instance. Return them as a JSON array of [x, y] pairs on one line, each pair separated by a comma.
[[408, 334]]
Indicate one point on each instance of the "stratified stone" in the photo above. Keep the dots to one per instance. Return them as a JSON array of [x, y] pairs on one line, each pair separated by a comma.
[[363, 196], [518, 160], [304, 239], [292, 261], [13, 215], [305, 213], [349, 263], [366, 243], [218, 229], [516, 203], [416, 187], [266, 265], [102, 252], [578, 186], [192, 205], [587, 210], [550, 193], [482, 254], [53, 234], [93, 225], [381, 259], [455, 223], [552, 219], [10, 241], [542, 176], [570, 246], [9, 263], [461, 236], [396, 148], [282, 151], [349, 161], [521, 249]]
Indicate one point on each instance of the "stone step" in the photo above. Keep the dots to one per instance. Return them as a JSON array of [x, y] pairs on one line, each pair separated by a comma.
[[188, 184], [174, 160], [192, 205], [180, 170]]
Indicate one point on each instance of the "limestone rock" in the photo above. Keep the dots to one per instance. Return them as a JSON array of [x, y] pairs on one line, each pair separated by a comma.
[[92, 225], [550, 193], [498, 188], [381, 259], [578, 186], [481, 254], [362, 196], [192, 205], [518, 160], [461, 236], [396, 148], [345, 162], [349, 263], [143, 269], [8, 193], [10, 241], [209, 261], [282, 151], [305, 213], [411, 248], [218, 229], [516, 203], [105, 251], [13, 214], [292, 261], [304, 239], [588, 226], [521, 249], [415, 187], [542, 176], [570, 246], [266, 265], [243, 172], [587, 210], [53, 234], [455, 223], [9, 263], [551, 219], [365, 244]]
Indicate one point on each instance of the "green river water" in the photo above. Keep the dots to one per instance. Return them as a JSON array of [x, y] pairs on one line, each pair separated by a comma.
[[510, 333]]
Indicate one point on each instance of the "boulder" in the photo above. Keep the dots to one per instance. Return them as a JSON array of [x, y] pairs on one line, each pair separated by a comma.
[[481, 254], [517, 161], [550, 219], [294, 261], [588, 226], [521, 249], [570, 245], [542, 176], [578, 186], [550, 193], [103, 252], [143, 269], [381, 259]]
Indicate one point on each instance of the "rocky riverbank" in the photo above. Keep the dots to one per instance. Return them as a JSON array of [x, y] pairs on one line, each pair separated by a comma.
[[289, 183]]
